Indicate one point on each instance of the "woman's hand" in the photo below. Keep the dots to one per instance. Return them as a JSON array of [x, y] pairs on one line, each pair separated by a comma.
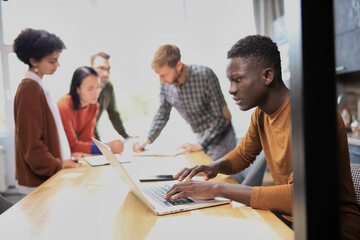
[[72, 163], [80, 154], [116, 146]]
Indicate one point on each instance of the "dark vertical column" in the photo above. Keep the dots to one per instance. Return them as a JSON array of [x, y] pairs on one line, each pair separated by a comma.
[[313, 102]]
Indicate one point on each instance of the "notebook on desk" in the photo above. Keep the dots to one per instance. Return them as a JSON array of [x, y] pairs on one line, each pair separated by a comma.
[[100, 160], [151, 194]]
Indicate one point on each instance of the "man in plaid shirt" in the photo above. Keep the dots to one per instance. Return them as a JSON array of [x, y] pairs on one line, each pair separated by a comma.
[[195, 92]]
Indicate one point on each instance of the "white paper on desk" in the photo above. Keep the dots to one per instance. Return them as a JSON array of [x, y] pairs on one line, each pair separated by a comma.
[[159, 152], [100, 160]]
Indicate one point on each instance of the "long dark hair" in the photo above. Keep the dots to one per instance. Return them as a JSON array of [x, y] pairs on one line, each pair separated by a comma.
[[78, 76]]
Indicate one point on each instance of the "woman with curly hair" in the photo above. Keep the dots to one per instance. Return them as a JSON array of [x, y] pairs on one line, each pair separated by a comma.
[[41, 145]]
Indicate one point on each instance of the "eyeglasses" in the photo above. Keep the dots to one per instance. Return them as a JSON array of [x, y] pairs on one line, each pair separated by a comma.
[[103, 69], [92, 89]]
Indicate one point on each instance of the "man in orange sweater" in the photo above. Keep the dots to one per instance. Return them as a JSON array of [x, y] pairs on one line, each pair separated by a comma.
[[254, 71]]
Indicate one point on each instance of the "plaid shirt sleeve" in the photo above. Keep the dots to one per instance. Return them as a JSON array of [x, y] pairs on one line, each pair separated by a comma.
[[161, 117], [217, 104]]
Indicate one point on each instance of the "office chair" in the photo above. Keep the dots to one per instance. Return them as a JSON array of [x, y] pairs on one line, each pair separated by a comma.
[[355, 173]]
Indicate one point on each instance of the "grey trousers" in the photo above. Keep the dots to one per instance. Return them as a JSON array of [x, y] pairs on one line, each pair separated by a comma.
[[254, 174], [218, 149], [251, 176]]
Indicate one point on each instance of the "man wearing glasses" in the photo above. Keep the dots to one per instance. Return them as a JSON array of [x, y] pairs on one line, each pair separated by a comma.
[[100, 62]]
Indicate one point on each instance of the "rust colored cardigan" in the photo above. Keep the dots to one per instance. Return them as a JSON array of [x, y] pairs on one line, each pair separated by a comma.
[[37, 147]]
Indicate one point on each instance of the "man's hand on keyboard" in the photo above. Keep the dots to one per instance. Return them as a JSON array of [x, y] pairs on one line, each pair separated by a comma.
[[209, 171], [194, 189]]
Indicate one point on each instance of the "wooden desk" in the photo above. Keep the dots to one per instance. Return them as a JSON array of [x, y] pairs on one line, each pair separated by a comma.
[[93, 203]]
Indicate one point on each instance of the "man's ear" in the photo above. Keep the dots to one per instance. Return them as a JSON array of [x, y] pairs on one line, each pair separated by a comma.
[[268, 75], [179, 65]]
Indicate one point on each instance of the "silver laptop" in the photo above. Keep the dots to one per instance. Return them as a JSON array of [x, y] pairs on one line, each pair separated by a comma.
[[152, 193]]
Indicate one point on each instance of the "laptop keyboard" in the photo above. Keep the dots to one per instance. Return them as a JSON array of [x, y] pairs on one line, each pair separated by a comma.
[[157, 193]]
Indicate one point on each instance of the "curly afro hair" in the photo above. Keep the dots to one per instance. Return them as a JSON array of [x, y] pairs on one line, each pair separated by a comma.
[[36, 44]]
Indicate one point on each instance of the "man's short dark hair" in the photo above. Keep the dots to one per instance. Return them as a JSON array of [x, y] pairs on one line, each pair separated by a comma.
[[259, 50], [99, 54]]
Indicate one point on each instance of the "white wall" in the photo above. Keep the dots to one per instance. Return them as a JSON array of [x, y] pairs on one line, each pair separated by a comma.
[[130, 31]]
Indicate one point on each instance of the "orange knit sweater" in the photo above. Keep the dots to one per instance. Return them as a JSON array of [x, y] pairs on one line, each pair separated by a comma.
[[78, 124], [272, 133]]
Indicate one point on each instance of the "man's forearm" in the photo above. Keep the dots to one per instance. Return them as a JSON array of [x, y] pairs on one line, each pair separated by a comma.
[[235, 192], [224, 166], [117, 123]]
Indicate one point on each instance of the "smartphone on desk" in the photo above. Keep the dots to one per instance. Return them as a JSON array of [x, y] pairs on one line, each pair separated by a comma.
[[157, 178]]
